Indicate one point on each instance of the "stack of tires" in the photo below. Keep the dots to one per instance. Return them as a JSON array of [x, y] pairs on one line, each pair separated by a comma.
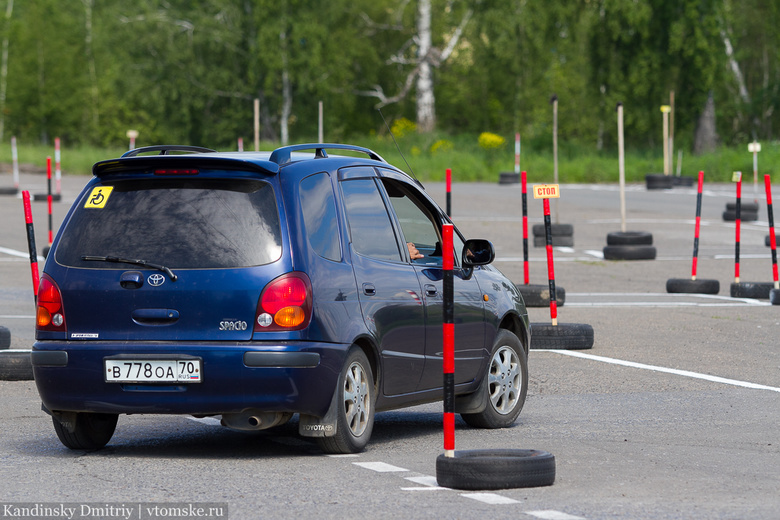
[[508, 178], [659, 181], [562, 235], [14, 364], [748, 212], [629, 245]]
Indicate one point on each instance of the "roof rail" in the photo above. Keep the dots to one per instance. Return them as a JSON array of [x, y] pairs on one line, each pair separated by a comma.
[[283, 155], [164, 149]]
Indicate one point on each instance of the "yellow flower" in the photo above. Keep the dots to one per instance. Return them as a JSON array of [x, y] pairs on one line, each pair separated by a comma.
[[491, 141]]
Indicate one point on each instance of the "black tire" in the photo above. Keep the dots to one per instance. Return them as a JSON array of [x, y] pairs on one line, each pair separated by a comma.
[[564, 336], [629, 252], [5, 338], [557, 241], [556, 230], [629, 238], [774, 296], [91, 431], [658, 181], [537, 295], [730, 215], [745, 206], [495, 469], [755, 290], [686, 285], [357, 395], [9, 191], [508, 178], [15, 365], [507, 384], [684, 181]]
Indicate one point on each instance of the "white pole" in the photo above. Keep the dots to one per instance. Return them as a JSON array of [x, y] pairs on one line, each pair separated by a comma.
[[257, 125], [555, 148], [15, 159], [320, 134], [57, 169], [622, 168], [517, 152]]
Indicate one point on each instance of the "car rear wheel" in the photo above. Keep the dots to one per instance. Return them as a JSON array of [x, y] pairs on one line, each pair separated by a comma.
[[91, 431], [355, 419], [506, 385]]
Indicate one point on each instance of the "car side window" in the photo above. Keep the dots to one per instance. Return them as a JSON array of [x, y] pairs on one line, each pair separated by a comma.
[[417, 221], [370, 227], [319, 215]]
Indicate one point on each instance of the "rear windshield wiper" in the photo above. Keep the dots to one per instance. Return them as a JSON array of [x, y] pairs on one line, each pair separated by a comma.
[[142, 263]]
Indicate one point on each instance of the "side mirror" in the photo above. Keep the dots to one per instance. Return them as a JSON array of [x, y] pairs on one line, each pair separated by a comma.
[[477, 252]]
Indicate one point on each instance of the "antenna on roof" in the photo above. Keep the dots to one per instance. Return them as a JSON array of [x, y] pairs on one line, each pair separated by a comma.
[[396, 145]]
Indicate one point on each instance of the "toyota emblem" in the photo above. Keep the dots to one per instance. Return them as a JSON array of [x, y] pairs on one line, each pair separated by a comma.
[[156, 280]]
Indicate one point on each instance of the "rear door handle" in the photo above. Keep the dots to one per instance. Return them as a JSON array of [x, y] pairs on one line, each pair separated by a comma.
[[430, 290], [369, 289]]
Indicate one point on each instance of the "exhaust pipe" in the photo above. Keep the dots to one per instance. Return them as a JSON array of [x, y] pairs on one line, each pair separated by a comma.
[[254, 420]]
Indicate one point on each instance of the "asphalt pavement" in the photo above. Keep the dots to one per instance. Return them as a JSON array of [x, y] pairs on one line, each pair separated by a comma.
[[673, 413]]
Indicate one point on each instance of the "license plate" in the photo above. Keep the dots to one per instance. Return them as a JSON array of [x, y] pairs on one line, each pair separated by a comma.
[[153, 371]]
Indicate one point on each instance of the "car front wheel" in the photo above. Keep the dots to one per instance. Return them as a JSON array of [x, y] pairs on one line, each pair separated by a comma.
[[356, 399], [506, 385]]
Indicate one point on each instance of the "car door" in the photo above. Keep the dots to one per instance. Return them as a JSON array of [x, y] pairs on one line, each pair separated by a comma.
[[388, 287], [420, 221]]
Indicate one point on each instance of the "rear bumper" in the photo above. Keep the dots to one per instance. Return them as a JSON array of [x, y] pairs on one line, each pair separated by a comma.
[[295, 377]]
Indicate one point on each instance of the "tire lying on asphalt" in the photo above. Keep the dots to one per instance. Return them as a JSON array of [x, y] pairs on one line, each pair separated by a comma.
[[658, 181], [686, 285], [755, 290], [774, 296], [5, 338], [15, 365], [683, 180], [495, 469], [508, 178], [744, 206], [562, 235], [564, 336], [730, 215], [537, 295], [629, 252], [629, 238]]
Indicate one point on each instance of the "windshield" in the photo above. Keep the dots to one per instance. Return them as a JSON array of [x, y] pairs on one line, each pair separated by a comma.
[[203, 223]]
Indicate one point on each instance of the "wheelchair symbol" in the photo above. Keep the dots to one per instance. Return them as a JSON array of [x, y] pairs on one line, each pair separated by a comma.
[[98, 197]]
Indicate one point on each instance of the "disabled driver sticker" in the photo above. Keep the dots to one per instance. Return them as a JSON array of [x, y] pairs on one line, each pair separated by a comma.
[[98, 197]]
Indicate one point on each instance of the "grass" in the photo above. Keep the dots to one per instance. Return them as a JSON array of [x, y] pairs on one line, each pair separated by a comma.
[[430, 156]]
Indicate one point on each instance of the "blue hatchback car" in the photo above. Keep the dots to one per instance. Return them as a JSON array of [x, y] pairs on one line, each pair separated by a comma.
[[257, 286]]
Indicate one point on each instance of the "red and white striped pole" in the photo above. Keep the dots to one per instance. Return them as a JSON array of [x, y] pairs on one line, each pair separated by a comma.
[[15, 160], [240, 144], [772, 239], [738, 179], [449, 192], [28, 220], [526, 277], [698, 225], [449, 341], [517, 152], [57, 169], [49, 198]]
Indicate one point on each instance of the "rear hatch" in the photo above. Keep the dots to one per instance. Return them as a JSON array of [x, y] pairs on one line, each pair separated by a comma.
[[174, 258]]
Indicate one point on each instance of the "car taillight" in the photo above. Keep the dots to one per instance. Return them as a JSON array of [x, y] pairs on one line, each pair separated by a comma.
[[50, 315], [285, 304]]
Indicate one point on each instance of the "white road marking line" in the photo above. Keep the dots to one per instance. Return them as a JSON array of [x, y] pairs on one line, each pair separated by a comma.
[[553, 515], [343, 455], [490, 498], [425, 481], [20, 254], [685, 373], [379, 467]]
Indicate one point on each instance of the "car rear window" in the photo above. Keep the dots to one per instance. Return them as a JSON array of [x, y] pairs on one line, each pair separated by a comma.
[[203, 223]]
